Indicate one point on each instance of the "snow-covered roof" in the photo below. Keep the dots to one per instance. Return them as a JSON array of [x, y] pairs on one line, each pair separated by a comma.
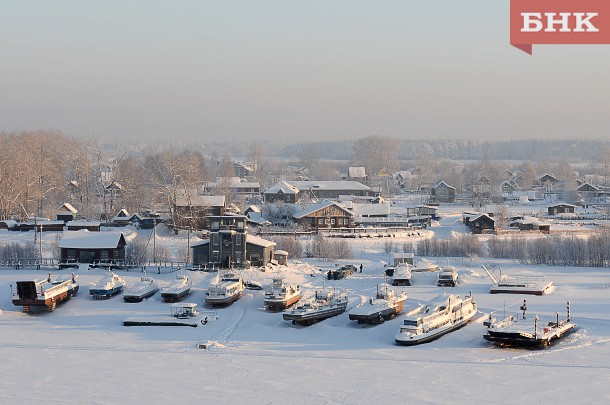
[[443, 184], [83, 223], [68, 207], [282, 186], [281, 253], [258, 241], [316, 207], [200, 201], [356, 172], [366, 210], [9, 223], [253, 208], [122, 215], [328, 185], [90, 240]]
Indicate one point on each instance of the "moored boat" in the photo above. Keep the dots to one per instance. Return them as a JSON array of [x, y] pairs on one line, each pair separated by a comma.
[[442, 315], [145, 288], [177, 289], [448, 277], [227, 290], [280, 295], [107, 286], [45, 293], [527, 332], [325, 304], [402, 274], [532, 285], [383, 306]]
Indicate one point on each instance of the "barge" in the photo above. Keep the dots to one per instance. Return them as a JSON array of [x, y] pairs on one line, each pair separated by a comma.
[[46, 293]]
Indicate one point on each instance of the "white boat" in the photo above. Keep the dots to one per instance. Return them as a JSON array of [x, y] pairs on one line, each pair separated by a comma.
[[424, 265], [442, 315], [280, 296], [227, 290], [107, 286], [177, 289], [448, 277], [383, 306], [145, 288], [402, 274], [514, 330], [532, 285], [325, 304]]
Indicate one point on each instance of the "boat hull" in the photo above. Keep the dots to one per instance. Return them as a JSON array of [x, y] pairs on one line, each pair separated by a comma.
[[174, 296], [221, 301], [280, 305], [105, 293], [313, 317], [513, 290], [429, 337], [140, 297], [375, 317], [401, 281], [49, 302]]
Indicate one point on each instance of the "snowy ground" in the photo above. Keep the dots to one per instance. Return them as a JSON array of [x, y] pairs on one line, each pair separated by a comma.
[[81, 353]]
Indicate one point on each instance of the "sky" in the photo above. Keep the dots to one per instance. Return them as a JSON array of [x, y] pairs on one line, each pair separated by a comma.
[[291, 71]]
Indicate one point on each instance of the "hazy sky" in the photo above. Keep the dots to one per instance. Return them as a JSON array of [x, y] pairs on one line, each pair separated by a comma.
[[295, 70]]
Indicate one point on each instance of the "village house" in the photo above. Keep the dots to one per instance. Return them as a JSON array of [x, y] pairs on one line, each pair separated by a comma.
[[317, 190], [92, 247], [66, 213], [282, 192], [326, 214], [243, 170], [443, 193], [121, 218], [77, 225], [479, 223], [356, 174], [230, 245], [561, 209]]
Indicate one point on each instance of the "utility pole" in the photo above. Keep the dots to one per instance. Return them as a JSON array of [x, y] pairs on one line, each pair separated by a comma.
[[188, 246], [155, 240]]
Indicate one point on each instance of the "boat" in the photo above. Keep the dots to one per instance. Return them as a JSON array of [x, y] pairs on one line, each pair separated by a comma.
[[402, 274], [280, 295], [181, 314], [515, 331], [46, 293], [227, 290], [341, 272], [440, 316], [325, 304], [448, 277], [107, 286], [383, 306], [532, 285], [177, 289], [145, 288]]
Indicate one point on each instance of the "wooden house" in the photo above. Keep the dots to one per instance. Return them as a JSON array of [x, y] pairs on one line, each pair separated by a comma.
[[327, 214], [533, 225], [282, 192], [561, 209], [121, 218], [481, 223], [42, 226], [66, 213], [243, 170], [443, 193], [356, 174], [92, 247], [317, 190]]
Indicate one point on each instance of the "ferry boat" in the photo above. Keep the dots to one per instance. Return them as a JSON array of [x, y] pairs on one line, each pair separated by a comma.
[[442, 315], [177, 289], [325, 304], [448, 277], [227, 290], [383, 306], [45, 293], [145, 288], [107, 286], [402, 274], [527, 332], [532, 285], [280, 296]]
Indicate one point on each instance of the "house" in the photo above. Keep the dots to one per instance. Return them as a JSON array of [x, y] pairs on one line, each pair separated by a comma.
[[508, 187], [93, 226], [356, 174], [282, 192], [42, 225], [317, 190], [243, 170], [192, 210], [9, 224], [121, 218], [589, 192], [230, 245], [92, 247], [147, 220], [479, 223], [113, 193], [281, 256], [547, 181], [484, 188], [327, 214], [443, 193], [533, 224], [66, 213], [234, 185], [561, 209]]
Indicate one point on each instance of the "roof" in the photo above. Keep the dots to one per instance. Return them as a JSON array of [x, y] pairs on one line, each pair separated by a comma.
[[90, 240], [258, 241], [481, 216], [316, 207], [283, 187], [9, 223], [83, 223], [122, 215], [253, 208], [337, 185], [371, 209], [443, 184], [356, 172], [68, 207], [200, 201]]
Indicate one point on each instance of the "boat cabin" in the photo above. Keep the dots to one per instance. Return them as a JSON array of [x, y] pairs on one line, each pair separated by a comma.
[[184, 310]]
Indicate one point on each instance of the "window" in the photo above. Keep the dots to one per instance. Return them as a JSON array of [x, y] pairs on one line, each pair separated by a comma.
[[238, 240], [215, 239], [321, 221], [332, 221]]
